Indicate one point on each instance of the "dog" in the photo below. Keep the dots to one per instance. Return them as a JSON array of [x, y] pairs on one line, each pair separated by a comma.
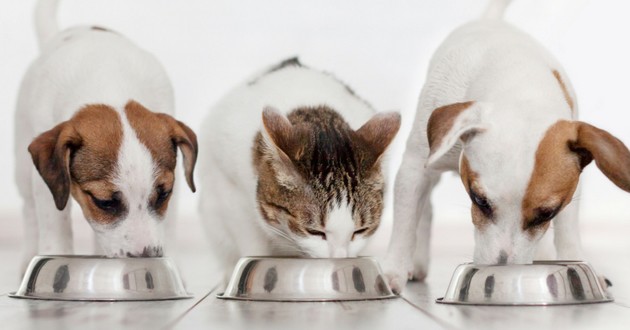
[[500, 110], [94, 118]]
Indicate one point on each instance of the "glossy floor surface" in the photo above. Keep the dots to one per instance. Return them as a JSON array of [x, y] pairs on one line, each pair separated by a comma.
[[607, 248]]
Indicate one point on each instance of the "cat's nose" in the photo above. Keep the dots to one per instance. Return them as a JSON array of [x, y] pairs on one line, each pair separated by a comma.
[[339, 253]]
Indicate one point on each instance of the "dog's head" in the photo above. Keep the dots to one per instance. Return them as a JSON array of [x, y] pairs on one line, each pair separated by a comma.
[[519, 176], [320, 183], [119, 166]]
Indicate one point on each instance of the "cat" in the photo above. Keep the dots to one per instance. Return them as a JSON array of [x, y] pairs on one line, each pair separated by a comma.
[[285, 174]]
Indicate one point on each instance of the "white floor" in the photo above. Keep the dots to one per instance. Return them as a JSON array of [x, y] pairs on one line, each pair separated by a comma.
[[607, 248]]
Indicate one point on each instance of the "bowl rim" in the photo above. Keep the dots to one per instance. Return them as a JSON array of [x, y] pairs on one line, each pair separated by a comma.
[[607, 296], [117, 262]]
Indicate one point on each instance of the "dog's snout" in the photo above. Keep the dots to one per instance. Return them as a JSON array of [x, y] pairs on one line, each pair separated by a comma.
[[503, 258], [147, 252]]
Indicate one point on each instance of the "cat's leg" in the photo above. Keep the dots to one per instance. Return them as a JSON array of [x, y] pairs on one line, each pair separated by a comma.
[[225, 220], [412, 190]]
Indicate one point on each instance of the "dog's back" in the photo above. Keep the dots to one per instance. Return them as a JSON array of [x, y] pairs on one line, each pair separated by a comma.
[[88, 64]]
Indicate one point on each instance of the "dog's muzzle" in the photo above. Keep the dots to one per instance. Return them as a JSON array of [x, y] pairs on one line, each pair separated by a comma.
[[147, 252]]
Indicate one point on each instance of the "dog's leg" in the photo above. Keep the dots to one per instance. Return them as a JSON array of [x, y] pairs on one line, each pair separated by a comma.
[[171, 247], [566, 233], [411, 195], [567, 236], [31, 233], [421, 256], [55, 227]]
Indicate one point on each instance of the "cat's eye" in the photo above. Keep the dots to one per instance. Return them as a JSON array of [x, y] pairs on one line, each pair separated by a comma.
[[316, 232], [111, 206], [359, 232], [482, 203], [280, 208]]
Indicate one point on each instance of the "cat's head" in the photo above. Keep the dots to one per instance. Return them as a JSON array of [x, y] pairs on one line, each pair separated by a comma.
[[320, 183]]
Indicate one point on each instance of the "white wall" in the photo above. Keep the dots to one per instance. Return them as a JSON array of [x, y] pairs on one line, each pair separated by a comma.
[[380, 48]]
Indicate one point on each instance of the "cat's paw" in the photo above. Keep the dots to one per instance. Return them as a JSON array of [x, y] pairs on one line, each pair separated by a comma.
[[396, 274]]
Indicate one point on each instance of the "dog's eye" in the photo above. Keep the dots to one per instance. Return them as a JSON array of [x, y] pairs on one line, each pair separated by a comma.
[[162, 196], [107, 205], [544, 215], [359, 231], [482, 203], [316, 232]]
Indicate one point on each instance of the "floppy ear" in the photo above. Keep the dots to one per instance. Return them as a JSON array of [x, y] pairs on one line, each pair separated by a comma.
[[283, 143], [378, 133], [610, 154], [184, 138], [449, 124], [50, 152]]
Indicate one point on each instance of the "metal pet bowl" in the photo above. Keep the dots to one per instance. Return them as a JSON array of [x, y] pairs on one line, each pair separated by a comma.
[[301, 279], [96, 278], [540, 283]]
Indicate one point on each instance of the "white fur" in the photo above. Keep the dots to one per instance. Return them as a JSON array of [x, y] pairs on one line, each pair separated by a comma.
[[228, 183], [509, 76], [135, 179], [76, 67], [339, 231]]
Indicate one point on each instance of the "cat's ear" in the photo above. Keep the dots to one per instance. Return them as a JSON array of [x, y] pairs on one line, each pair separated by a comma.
[[282, 144], [378, 133]]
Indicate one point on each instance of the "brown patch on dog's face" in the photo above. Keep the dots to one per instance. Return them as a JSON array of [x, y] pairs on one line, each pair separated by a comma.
[[442, 120], [93, 164], [565, 91], [482, 210], [162, 134], [554, 179]]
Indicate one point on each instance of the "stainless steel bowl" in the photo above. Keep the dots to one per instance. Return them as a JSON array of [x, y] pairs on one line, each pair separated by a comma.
[[300, 279], [97, 278], [540, 283]]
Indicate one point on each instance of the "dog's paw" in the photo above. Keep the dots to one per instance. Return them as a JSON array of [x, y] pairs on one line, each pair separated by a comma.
[[604, 282], [420, 268], [396, 275], [419, 273]]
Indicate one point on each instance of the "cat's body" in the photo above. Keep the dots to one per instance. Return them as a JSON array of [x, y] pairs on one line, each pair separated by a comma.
[[273, 186]]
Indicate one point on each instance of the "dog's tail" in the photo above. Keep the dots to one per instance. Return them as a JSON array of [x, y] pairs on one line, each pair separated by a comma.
[[496, 9], [46, 21]]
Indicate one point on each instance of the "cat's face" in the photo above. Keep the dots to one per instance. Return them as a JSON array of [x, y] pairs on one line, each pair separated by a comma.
[[320, 184]]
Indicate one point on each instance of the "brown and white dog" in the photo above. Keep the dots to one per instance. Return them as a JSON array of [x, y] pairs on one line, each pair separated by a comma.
[[499, 109], [93, 112]]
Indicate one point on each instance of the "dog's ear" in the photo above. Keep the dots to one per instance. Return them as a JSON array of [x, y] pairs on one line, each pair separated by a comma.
[[449, 124], [610, 154], [378, 133], [186, 140], [50, 152]]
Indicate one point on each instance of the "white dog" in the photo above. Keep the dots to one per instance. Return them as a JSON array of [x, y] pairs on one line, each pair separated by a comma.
[[93, 114], [498, 108]]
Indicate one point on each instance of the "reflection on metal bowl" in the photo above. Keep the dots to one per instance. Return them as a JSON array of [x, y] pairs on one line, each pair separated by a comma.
[[540, 283], [96, 278], [306, 279]]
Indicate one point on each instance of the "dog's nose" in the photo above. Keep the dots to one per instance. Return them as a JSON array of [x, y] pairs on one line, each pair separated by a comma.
[[147, 252], [503, 257]]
